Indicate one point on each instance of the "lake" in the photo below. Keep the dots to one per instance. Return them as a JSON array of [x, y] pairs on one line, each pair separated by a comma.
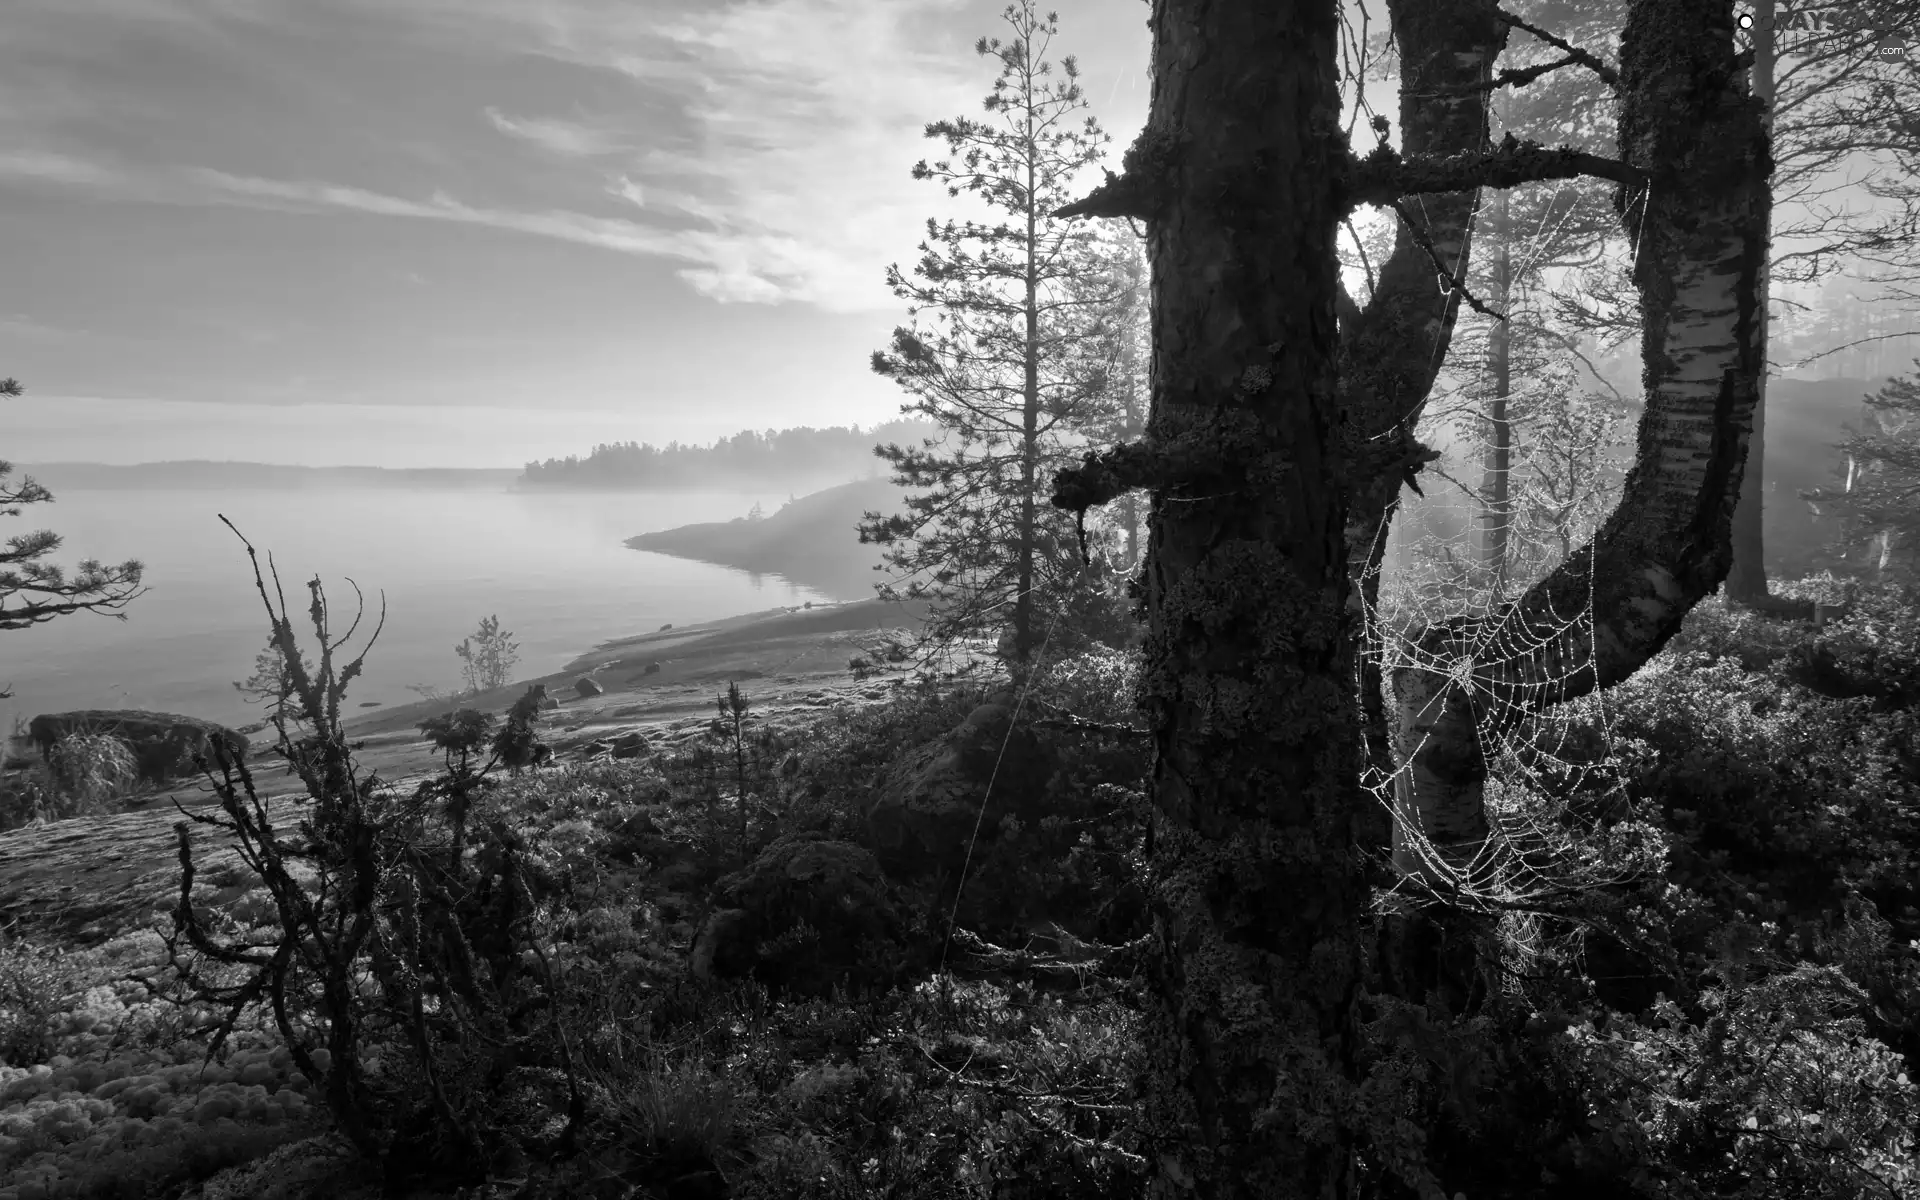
[[551, 566]]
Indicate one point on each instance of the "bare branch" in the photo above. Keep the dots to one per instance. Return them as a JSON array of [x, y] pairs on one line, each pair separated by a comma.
[[1574, 53], [1446, 273], [1383, 176]]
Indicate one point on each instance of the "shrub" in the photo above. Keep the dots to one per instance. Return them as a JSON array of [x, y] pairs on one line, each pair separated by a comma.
[[404, 978], [35, 987], [86, 771]]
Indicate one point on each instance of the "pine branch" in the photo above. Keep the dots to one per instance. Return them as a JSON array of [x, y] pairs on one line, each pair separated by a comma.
[[1383, 176], [1106, 475], [1119, 196]]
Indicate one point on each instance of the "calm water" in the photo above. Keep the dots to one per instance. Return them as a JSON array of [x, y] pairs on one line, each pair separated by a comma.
[[551, 566]]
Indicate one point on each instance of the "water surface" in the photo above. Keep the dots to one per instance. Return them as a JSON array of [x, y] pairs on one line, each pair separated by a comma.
[[552, 567]]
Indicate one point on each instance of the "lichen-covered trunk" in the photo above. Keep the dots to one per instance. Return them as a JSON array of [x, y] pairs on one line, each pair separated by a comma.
[[1392, 350], [1686, 118], [1257, 894]]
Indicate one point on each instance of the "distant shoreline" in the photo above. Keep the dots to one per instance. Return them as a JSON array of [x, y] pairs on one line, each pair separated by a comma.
[[203, 473], [190, 475]]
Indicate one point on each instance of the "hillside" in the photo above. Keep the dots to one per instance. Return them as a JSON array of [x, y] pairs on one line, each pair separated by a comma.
[[811, 541]]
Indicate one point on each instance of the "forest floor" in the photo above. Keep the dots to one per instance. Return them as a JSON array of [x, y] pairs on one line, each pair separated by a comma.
[[84, 879]]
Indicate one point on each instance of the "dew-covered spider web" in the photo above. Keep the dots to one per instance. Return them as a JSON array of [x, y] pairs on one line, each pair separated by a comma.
[[1555, 795]]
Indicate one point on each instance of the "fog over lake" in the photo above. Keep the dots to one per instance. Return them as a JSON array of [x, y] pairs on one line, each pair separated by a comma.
[[552, 567]]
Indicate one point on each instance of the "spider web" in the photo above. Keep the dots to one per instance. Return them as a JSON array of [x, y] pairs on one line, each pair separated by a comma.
[[1554, 777]]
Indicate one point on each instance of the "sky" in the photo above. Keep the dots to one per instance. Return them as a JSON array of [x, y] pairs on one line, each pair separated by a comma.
[[474, 232], [477, 232]]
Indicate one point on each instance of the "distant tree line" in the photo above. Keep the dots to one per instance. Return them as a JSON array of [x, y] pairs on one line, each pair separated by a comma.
[[783, 456]]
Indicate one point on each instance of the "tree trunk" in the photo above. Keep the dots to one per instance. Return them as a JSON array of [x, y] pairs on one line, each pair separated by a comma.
[[1392, 350], [1747, 579], [1256, 893], [1029, 438], [1686, 119], [1130, 503], [1497, 487]]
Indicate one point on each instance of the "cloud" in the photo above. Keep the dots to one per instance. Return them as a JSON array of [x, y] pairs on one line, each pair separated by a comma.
[[55, 168], [764, 144], [796, 125], [629, 191], [566, 138], [762, 268], [301, 196]]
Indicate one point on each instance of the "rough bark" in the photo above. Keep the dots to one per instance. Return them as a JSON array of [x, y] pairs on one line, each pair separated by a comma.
[[1392, 349], [1247, 1086], [1689, 125]]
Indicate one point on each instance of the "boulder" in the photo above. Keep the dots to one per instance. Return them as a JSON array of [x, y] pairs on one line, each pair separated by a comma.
[[808, 913], [639, 841], [550, 704], [585, 687], [653, 668], [930, 804], [163, 744], [667, 626], [629, 745], [896, 652], [858, 663]]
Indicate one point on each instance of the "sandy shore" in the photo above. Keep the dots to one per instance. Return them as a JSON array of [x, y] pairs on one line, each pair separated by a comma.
[[87, 876], [784, 659]]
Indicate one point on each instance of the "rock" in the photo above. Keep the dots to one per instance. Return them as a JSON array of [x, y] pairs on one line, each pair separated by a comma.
[[639, 839], [896, 652], [858, 663], [588, 687], [930, 804], [306, 1169], [629, 745], [653, 668], [163, 744], [667, 626], [550, 704], [370, 704], [594, 749], [808, 604], [807, 913]]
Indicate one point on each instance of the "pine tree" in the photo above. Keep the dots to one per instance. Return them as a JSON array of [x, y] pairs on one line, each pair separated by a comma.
[[272, 678], [33, 591], [1010, 364], [488, 656]]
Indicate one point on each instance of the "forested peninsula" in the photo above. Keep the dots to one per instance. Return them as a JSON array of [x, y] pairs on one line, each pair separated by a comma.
[[811, 541], [803, 457]]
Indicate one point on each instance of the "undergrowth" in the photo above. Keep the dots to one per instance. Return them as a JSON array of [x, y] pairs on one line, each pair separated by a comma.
[[1740, 1023]]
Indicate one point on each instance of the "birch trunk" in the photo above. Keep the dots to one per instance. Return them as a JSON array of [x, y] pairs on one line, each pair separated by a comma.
[[1688, 120]]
